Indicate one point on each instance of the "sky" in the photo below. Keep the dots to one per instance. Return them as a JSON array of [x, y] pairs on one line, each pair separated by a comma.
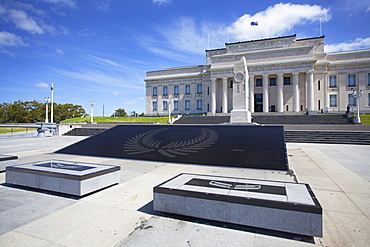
[[100, 50]]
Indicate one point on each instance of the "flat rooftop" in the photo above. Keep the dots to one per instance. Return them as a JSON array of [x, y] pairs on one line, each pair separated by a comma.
[[122, 215]]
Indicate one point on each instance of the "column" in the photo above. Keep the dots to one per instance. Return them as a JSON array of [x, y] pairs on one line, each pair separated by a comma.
[[265, 93], [280, 95], [295, 92], [224, 95], [213, 95], [251, 93], [310, 98]]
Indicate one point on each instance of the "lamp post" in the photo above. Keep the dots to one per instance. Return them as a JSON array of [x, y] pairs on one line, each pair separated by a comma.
[[47, 100], [92, 103], [358, 96], [52, 103]]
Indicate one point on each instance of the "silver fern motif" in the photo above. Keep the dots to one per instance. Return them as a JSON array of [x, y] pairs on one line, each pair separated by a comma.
[[145, 143]]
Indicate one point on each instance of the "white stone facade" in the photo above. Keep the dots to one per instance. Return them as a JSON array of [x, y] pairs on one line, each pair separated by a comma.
[[285, 75]]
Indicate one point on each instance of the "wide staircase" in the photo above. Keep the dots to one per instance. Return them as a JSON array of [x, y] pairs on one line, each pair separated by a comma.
[[84, 131], [203, 120], [270, 119], [331, 137], [301, 119]]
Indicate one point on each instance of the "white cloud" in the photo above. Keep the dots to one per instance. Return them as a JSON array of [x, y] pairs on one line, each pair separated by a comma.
[[24, 22], [356, 44], [59, 51], [161, 2], [104, 5], [67, 3], [277, 20], [102, 60], [114, 93], [130, 102], [42, 85], [188, 36], [10, 39]]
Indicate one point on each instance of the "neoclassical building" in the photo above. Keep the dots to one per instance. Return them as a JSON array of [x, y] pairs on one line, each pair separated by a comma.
[[285, 74]]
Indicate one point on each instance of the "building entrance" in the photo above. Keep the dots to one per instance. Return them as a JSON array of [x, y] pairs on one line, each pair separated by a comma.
[[258, 102]]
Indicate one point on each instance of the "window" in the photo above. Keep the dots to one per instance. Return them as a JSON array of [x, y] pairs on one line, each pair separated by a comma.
[[286, 80], [352, 80], [258, 82], [318, 85], [351, 100], [154, 91], [207, 90], [272, 81], [165, 90], [165, 106], [154, 105], [333, 81], [199, 88], [333, 100], [187, 104], [368, 100], [176, 90], [368, 79], [230, 84], [176, 105], [187, 89], [199, 104]]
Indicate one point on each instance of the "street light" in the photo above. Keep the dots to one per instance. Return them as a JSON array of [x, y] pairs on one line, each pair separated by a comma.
[[92, 103], [47, 100], [52, 103], [358, 96]]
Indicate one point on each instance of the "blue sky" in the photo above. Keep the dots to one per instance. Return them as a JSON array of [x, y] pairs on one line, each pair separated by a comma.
[[100, 50]]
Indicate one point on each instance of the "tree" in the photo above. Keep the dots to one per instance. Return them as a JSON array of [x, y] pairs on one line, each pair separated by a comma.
[[34, 111], [66, 111], [120, 112]]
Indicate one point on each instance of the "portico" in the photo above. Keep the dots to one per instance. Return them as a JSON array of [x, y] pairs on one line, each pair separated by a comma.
[[274, 90]]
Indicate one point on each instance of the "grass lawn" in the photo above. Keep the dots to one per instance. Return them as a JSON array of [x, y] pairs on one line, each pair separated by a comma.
[[162, 120], [365, 119], [10, 129]]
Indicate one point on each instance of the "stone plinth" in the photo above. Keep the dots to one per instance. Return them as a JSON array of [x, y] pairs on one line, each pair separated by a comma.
[[63, 176], [7, 160], [280, 206]]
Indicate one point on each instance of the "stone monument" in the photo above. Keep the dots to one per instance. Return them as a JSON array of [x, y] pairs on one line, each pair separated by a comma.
[[240, 113]]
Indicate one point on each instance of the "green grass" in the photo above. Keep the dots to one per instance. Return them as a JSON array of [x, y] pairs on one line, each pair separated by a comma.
[[162, 120], [10, 129], [365, 119]]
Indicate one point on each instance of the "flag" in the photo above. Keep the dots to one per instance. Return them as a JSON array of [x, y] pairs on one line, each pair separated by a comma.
[[254, 23]]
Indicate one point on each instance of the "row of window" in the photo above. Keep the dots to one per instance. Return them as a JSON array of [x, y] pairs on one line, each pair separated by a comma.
[[176, 90], [272, 81], [351, 82], [351, 100], [176, 105]]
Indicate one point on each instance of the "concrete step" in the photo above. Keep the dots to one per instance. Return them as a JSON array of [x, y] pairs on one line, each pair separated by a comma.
[[334, 137]]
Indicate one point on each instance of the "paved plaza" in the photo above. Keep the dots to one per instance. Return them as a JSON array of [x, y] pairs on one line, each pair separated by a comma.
[[122, 215]]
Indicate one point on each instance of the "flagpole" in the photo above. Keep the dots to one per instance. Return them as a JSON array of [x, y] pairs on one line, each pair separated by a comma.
[[208, 41]]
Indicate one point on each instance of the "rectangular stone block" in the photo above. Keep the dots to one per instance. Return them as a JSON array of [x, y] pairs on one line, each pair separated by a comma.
[[280, 206], [64, 176], [7, 160]]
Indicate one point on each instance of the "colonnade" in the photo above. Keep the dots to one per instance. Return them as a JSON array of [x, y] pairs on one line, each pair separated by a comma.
[[265, 91]]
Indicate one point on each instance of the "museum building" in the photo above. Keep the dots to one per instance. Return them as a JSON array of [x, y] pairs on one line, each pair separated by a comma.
[[285, 74]]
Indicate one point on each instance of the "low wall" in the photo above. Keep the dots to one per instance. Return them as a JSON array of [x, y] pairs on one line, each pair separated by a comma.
[[64, 128]]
